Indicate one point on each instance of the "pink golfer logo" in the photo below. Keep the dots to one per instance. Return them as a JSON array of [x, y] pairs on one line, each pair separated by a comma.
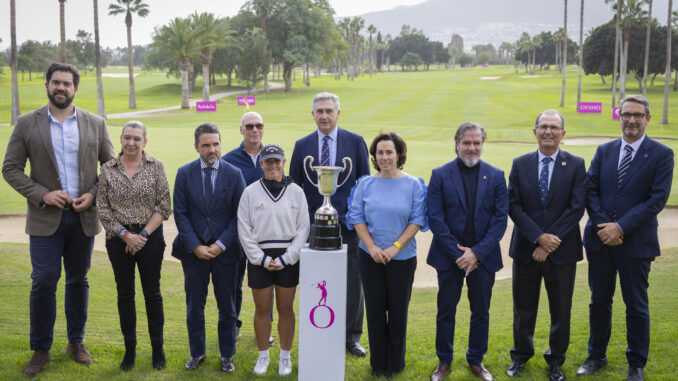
[[322, 310]]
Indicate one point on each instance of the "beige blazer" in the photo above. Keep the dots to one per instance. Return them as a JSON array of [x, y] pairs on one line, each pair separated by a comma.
[[32, 140]]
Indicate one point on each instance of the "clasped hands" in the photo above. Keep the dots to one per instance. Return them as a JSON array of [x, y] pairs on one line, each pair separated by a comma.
[[207, 252], [61, 199], [547, 243], [383, 256], [134, 242], [468, 261], [610, 234]]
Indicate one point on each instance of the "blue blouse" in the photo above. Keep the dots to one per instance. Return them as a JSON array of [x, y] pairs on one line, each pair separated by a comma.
[[387, 206]]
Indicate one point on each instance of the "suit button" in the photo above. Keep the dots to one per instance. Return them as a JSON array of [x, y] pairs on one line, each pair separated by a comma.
[[208, 219]]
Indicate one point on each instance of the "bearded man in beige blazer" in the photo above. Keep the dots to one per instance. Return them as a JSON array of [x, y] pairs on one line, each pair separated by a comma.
[[63, 144]]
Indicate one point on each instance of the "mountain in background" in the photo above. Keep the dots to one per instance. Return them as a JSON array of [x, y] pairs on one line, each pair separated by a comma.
[[496, 21]]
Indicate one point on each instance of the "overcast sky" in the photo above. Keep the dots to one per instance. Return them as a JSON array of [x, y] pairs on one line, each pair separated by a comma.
[[39, 19]]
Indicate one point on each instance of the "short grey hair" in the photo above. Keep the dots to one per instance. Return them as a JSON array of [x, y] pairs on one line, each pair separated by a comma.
[[551, 113], [325, 96], [467, 126], [205, 128], [250, 113], [134, 124], [637, 99]]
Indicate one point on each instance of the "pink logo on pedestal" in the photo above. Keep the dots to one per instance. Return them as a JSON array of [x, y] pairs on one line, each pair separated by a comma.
[[323, 320]]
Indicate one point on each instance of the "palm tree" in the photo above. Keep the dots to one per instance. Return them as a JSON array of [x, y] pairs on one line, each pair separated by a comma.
[[581, 50], [536, 43], [371, 29], [62, 21], [128, 7], [101, 109], [667, 80], [562, 91], [617, 37], [16, 110], [647, 46], [213, 33], [558, 39], [631, 14], [263, 8], [177, 43]]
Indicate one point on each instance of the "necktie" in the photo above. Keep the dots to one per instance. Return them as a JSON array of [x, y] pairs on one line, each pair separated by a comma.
[[544, 179], [207, 185], [625, 164], [325, 153]]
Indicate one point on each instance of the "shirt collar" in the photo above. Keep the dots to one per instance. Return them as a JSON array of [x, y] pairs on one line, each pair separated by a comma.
[[51, 118], [242, 147], [635, 145], [553, 157], [332, 135], [204, 165]]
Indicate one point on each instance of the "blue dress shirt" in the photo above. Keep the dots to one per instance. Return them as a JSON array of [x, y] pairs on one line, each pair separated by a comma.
[[66, 143]]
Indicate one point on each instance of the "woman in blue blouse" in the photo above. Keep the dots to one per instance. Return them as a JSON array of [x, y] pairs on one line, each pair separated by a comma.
[[387, 210]]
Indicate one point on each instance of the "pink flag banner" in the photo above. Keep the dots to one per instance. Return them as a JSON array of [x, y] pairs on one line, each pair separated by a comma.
[[206, 106], [615, 113], [251, 100]]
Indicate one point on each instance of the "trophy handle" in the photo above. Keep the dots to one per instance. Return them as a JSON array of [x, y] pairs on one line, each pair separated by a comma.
[[350, 168], [307, 158]]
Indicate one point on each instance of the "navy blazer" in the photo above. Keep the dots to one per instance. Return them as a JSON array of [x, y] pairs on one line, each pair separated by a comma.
[[350, 145], [641, 196], [192, 215], [560, 216], [447, 215]]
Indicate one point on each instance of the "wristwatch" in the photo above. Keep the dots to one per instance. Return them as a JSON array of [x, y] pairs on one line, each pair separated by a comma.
[[143, 233]]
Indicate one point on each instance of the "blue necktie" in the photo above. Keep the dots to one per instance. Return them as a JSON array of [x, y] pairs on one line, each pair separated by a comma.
[[325, 153], [624, 165], [207, 185], [544, 179]]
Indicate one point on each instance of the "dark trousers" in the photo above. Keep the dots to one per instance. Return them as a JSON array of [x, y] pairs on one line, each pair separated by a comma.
[[387, 296], [70, 243], [450, 283], [633, 278], [559, 282], [149, 260], [355, 308], [196, 280]]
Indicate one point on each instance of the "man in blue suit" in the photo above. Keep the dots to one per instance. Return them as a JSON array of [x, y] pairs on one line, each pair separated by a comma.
[[467, 211], [328, 145], [206, 196], [628, 184], [547, 197]]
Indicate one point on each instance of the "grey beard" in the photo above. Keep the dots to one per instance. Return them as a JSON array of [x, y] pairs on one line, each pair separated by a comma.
[[469, 162]]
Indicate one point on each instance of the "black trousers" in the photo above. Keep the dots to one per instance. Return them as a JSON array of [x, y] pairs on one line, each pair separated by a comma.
[[149, 260], [387, 297], [355, 307], [559, 283]]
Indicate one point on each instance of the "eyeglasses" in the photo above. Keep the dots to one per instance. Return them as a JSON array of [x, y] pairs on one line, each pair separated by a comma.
[[636, 116], [250, 126], [544, 128]]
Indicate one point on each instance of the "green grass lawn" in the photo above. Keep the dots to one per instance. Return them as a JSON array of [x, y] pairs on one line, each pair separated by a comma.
[[105, 343], [424, 107]]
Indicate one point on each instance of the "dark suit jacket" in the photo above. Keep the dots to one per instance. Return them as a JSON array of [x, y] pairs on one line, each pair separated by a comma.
[[192, 215], [348, 145], [32, 140], [447, 215], [642, 195], [560, 216]]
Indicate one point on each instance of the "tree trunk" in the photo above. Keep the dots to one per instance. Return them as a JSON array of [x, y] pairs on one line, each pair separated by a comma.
[[581, 50], [16, 110], [675, 82], [62, 29], [653, 78], [130, 62], [185, 91], [562, 90], [603, 79], [101, 109], [229, 75], [624, 64], [205, 82], [617, 39], [667, 80], [647, 48], [287, 75]]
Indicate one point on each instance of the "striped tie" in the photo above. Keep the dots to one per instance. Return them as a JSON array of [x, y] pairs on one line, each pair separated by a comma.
[[544, 179], [624, 165], [325, 155]]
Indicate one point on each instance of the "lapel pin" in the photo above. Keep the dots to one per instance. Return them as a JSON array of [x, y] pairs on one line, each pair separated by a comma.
[[484, 177], [645, 155], [563, 164]]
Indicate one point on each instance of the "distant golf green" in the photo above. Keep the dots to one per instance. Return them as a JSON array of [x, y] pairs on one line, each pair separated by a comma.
[[424, 107]]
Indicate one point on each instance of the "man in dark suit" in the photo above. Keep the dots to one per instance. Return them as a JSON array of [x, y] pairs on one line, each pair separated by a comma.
[[206, 196], [328, 145], [467, 211], [547, 197], [63, 144], [628, 184]]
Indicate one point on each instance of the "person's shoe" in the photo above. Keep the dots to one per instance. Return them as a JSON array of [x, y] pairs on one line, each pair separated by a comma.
[[441, 371], [285, 367], [227, 364], [481, 372], [590, 366], [515, 368], [261, 366], [129, 358], [555, 373], [271, 341], [79, 353], [36, 364], [356, 349], [158, 359], [635, 374], [194, 362]]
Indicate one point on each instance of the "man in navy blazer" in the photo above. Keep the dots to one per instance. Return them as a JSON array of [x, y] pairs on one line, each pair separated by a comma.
[[628, 184], [206, 196], [328, 145], [467, 211], [547, 197]]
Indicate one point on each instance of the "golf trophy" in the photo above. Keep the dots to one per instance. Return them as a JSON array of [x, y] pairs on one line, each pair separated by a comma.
[[325, 230]]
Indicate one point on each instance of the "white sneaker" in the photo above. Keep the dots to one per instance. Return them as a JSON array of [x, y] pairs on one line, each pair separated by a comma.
[[285, 367], [261, 366]]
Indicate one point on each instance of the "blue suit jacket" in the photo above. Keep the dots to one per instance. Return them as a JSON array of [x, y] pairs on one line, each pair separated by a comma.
[[447, 215], [192, 215], [560, 216], [348, 145], [642, 195]]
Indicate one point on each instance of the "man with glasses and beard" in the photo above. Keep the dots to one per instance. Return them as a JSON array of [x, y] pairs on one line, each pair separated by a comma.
[[63, 144], [467, 211]]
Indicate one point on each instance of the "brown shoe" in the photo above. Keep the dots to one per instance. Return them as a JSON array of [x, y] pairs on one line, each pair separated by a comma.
[[36, 364], [79, 353], [481, 372], [441, 371]]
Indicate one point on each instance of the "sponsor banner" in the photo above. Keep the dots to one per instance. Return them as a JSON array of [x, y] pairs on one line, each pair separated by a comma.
[[251, 100], [206, 106], [590, 107]]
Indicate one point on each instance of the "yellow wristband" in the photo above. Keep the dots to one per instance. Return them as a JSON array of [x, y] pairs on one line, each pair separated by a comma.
[[398, 245]]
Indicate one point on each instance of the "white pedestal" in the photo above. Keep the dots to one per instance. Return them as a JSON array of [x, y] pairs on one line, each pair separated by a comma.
[[322, 314]]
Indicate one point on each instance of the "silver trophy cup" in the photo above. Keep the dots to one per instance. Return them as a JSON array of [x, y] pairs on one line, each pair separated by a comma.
[[325, 230]]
